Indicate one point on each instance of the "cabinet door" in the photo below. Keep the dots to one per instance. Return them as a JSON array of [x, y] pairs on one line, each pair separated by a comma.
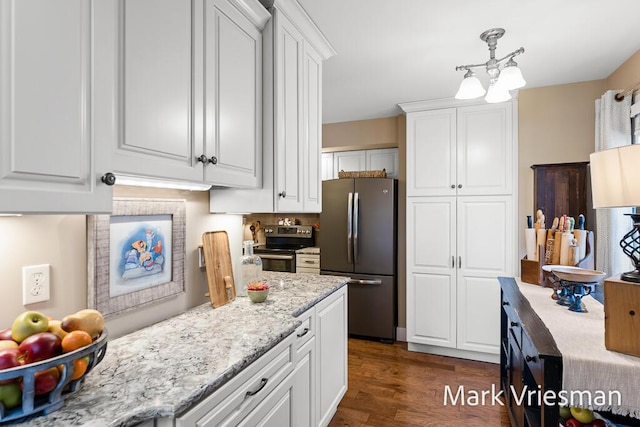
[[349, 161], [485, 250], [288, 133], [156, 107], [232, 97], [327, 166], [304, 383], [485, 149], [312, 130], [431, 153], [276, 410], [386, 159], [331, 349], [55, 107], [431, 290]]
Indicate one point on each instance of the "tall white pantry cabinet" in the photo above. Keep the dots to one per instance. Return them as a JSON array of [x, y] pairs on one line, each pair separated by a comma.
[[460, 224]]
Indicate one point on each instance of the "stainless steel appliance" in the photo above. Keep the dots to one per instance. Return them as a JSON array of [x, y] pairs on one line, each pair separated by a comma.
[[359, 240], [282, 241]]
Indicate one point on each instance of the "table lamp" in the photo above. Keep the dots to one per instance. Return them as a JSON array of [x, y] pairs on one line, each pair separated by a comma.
[[615, 183]]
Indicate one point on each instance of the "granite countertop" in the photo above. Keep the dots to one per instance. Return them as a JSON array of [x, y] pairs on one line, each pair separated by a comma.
[[164, 369], [314, 250]]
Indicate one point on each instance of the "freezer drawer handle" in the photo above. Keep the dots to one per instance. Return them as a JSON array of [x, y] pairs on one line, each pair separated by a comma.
[[365, 282]]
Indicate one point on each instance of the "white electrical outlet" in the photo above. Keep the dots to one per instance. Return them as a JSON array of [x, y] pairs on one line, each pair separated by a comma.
[[35, 283]]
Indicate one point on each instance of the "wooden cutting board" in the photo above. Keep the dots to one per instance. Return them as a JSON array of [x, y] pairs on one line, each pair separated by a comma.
[[217, 259]]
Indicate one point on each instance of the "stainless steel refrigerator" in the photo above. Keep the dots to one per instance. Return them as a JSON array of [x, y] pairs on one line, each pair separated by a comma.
[[358, 238]]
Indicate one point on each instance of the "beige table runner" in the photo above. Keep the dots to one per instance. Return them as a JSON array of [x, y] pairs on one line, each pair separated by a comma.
[[587, 365]]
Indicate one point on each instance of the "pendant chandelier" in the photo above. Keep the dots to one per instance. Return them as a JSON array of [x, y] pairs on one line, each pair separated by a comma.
[[501, 80]]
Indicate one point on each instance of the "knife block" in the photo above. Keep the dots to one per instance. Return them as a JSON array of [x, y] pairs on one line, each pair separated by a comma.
[[531, 271]]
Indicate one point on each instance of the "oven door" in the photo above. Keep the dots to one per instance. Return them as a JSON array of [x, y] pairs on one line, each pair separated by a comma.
[[278, 262]]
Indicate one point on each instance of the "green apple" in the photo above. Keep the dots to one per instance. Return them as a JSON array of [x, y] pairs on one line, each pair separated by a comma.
[[565, 412], [581, 414], [28, 323], [10, 395]]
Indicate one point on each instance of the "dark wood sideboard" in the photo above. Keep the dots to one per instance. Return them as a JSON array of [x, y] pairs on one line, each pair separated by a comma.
[[530, 358]]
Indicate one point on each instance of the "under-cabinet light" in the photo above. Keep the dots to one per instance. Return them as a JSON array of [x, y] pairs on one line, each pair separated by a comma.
[[160, 183]]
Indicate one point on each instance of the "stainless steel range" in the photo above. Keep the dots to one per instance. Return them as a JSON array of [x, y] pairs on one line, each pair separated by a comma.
[[282, 241]]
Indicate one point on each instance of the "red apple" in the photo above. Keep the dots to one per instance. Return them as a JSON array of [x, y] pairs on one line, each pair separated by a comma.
[[5, 334], [9, 358], [45, 381], [40, 346], [572, 422], [596, 423]]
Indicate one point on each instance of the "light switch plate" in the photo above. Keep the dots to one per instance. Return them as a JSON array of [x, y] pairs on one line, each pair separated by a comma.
[[35, 283]]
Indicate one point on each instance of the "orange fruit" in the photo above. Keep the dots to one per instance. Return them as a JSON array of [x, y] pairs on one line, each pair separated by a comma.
[[75, 340], [80, 367]]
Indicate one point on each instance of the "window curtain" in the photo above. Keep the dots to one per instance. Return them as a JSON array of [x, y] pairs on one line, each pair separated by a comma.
[[613, 129]]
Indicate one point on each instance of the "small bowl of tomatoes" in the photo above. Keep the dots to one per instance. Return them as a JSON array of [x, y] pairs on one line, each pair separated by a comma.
[[257, 291]]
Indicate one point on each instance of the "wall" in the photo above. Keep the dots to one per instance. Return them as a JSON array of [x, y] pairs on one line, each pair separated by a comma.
[[627, 75], [360, 134], [60, 240]]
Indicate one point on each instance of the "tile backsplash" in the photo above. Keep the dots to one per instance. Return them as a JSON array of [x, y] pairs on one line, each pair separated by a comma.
[[260, 220]]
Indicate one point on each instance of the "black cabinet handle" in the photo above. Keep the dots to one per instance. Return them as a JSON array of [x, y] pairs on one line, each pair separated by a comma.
[[459, 185], [505, 302], [263, 383], [530, 358], [283, 194], [453, 186], [202, 159], [108, 178], [213, 160], [305, 331], [514, 324]]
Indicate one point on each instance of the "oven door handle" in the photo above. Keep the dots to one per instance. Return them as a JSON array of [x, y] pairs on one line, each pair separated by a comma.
[[273, 256]]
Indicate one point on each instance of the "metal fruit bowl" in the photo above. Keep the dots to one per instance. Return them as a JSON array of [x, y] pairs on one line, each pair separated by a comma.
[[54, 400]]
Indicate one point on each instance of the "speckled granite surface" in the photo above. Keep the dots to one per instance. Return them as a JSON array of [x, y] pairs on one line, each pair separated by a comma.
[[162, 370], [314, 250]]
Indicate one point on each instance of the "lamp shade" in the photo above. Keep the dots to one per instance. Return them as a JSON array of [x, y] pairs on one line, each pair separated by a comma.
[[511, 77], [470, 88], [615, 177], [497, 93]]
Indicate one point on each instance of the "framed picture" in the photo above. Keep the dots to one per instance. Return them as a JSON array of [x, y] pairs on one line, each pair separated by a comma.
[[136, 254]]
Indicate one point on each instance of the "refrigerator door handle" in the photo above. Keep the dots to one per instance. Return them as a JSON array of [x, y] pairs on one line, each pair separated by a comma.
[[364, 282], [356, 208], [349, 227]]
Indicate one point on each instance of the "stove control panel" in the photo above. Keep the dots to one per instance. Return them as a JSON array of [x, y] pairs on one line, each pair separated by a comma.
[[305, 231]]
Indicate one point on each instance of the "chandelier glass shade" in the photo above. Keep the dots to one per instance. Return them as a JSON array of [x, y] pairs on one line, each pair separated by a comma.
[[504, 74]]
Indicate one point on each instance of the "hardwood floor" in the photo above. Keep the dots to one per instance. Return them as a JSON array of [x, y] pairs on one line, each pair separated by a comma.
[[391, 386]]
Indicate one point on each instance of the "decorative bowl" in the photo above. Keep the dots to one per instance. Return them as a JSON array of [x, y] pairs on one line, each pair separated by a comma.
[[258, 296]]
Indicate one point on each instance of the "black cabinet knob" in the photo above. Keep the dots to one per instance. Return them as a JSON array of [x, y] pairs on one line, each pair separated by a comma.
[[108, 178], [453, 186], [505, 302], [514, 324], [213, 160], [202, 159], [530, 358], [459, 185], [283, 194]]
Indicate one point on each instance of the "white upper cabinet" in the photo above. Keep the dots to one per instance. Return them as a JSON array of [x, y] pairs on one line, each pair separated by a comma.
[[293, 51], [460, 151], [190, 91], [384, 158], [349, 161], [55, 107], [360, 160]]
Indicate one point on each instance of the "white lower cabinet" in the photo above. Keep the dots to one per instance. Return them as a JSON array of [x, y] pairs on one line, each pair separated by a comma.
[[331, 366], [460, 245], [298, 383]]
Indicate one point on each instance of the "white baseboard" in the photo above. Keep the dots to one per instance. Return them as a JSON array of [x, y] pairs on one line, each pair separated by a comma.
[[453, 352], [401, 334]]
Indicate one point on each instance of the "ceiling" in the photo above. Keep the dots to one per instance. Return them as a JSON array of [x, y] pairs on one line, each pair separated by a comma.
[[394, 51]]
